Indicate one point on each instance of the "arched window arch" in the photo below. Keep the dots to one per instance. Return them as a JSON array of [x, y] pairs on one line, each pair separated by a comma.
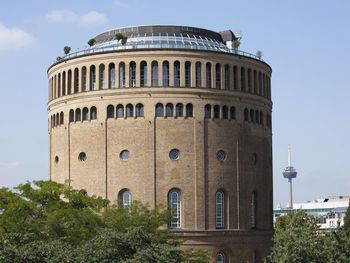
[[120, 111], [260, 84], [249, 77], [101, 81], [246, 114], [93, 113], [77, 115], [122, 75], [179, 110], [235, 80], [69, 82], [63, 83], [189, 110], [71, 116], [139, 110], [169, 110], [110, 111], [176, 74], [198, 74], [129, 110], [174, 205], [92, 77], [263, 85], [219, 209], [111, 80], [61, 118], [218, 75], [220, 258], [132, 74], [125, 198], [85, 114], [251, 115], [154, 74], [165, 74], [242, 79], [216, 112], [208, 75], [253, 209], [227, 77], [257, 121], [57, 119], [159, 110], [83, 78], [224, 112], [55, 86], [76, 80], [207, 111], [232, 113], [53, 120], [261, 120], [143, 74], [187, 74], [59, 85]]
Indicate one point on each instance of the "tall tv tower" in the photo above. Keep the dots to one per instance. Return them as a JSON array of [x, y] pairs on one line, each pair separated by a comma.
[[290, 173]]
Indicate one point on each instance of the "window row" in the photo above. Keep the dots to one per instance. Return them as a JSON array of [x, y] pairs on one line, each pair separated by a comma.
[[170, 111], [256, 116], [119, 112], [132, 74], [218, 112], [57, 119], [83, 115]]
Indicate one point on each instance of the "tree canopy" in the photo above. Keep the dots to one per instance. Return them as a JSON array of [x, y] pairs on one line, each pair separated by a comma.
[[51, 222]]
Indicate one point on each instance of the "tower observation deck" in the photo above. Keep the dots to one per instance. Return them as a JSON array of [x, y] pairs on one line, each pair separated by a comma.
[[290, 173]]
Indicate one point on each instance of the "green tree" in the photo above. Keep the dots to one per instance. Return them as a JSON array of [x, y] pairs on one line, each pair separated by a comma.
[[346, 226], [120, 37], [236, 43], [91, 42], [51, 222], [66, 50]]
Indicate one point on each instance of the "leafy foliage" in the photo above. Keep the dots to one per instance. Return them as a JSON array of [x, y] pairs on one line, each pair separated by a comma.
[[66, 50], [346, 226], [91, 42], [236, 43], [120, 37], [51, 222]]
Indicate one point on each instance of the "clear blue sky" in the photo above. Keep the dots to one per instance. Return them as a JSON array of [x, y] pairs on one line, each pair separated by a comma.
[[305, 42]]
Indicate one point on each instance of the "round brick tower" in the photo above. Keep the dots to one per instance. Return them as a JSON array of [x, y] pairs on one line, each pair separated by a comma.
[[170, 115]]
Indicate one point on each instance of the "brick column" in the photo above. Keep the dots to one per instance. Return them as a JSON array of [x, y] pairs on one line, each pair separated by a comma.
[[182, 73]]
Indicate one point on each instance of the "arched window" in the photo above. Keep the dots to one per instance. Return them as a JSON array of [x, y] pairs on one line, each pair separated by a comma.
[[187, 74], [143, 74], [83, 79], [53, 120], [255, 82], [257, 121], [260, 84], [132, 74], [59, 85], [218, 75], [85, 114], [249, 77], [71, 116], [125, 198], [76, 80], [120, 111], [232, 113], [110, 111], [159, 110], [207, 111], [251, 115], [227, 77], [165, 74], [122, 75], [61, 118], [92, 77], [55, 86], [139, 110], [219, 210], [111, 80], [235, 80], [101, 80], [216, 112], [129, 110], [77, 115], [189, 110], [179, 111], [261, 120], [242, 79], [69, 82], [263, 85], [253, 210], [220, 258], [57, 119], [198, 75], [208, 75], [246, 114], [93, 113], [174, 205], [176, 74], [63, 83], [225, 112], [154, 74], [169, 112]]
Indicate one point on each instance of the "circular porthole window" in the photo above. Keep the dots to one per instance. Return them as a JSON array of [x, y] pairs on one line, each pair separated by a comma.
[[174, 154], [221, 155], [254, 158], [82, 157], [124, 155], [57, 159]]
